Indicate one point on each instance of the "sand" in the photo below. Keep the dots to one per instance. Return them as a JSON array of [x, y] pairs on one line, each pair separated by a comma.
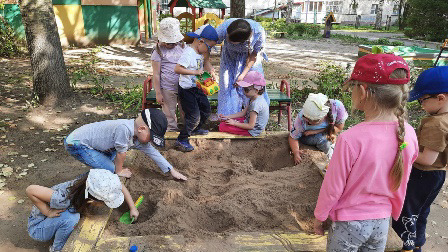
[[238, 185]]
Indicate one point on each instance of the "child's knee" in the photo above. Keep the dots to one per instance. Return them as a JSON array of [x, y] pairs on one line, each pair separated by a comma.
[[70, 220]]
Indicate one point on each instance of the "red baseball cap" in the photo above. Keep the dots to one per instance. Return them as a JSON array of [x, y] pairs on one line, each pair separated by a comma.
[[377, 68]]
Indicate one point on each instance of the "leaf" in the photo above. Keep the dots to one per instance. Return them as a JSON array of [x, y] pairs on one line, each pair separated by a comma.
[[11, 198], [20, 201], [7, 171], [24, 155], [44, 160]]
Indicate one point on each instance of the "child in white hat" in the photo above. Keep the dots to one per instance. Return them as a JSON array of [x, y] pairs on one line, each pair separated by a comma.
[[163, 59], [56, 210], [317, 124]]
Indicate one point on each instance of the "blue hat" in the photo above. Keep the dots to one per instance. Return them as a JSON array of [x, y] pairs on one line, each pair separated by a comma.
[[431, 81], [206, 31]]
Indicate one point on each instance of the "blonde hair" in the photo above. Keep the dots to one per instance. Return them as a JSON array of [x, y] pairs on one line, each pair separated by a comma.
[[387, 97]]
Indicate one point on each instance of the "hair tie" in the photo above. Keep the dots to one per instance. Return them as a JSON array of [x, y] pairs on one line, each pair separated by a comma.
[[402, 146]]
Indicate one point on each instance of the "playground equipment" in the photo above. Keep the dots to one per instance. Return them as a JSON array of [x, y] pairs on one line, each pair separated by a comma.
[[442, 48], [126, 217], [420, 57], [207, 84]]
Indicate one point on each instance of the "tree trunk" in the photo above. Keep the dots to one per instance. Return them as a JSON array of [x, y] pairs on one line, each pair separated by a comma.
[[379, 15], [405, 15], [237, 8], [400, 15], [289, 11], [50, 81]]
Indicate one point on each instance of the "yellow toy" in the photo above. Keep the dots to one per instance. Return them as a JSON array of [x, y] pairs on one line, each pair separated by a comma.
[[206, 83]]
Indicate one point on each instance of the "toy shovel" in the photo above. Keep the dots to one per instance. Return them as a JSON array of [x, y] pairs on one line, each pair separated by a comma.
[[126, 217]]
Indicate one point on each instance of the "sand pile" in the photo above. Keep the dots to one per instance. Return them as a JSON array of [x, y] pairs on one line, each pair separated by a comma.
[[238, 185]]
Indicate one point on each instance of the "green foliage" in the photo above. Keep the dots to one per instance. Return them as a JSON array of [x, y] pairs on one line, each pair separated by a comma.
[[9, 42], [364, 28], [162, 16], [129, 99], [364, 41], [293, 30], [427, 20]]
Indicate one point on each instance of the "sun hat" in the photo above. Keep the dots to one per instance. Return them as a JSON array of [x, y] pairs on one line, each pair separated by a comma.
[[377, 68], [314, 107], [169, 31], [431, 81], [157, 124], [105, 186], [206, 31], [253, 78]]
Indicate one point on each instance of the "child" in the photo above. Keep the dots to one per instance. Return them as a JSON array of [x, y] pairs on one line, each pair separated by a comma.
[[254, 118], [194, 102], [56, 210], [429, 170], [317, 125], [366, 180], [163, 60], [103, 145]]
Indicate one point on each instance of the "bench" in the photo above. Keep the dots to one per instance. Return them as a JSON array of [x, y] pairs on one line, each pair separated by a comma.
[[282, 96]]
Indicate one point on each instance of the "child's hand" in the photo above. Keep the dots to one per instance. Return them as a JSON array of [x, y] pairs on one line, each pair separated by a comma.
[[318, 228], [297, 157], [177, 175], [310, 132], [199, 72], [134, 213], [52, 213], [230, 121], [159, 98], [125, 173], [222, 117]]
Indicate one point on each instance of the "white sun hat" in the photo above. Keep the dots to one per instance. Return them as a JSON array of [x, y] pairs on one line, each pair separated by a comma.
[[105, 186], [314, 107], [169, 31]]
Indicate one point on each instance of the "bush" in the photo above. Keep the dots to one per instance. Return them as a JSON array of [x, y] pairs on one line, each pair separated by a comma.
[[9, 42], [292, 29], [364, 41]]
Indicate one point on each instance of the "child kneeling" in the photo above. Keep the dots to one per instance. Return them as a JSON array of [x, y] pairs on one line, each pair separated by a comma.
[[252, 120], [56, 210]]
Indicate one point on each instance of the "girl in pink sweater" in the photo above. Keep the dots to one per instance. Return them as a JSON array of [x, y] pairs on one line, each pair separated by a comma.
[[366, 180]]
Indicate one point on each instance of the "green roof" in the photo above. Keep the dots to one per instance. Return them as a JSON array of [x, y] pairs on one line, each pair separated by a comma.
[[212, 4]]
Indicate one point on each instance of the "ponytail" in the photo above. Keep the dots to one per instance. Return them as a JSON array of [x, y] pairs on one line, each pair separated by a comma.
[[396, 173], [330, 129]]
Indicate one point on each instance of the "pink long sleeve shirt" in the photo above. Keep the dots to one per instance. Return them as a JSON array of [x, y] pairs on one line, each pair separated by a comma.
[[357, 184]]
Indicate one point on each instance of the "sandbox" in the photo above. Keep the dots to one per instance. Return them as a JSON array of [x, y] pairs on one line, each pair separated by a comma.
[[241, 195]]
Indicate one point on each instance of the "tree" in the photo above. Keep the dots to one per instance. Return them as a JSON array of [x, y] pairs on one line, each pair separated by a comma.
[[50, 81], [237, 8], [379, 15], [289, 11], [427, 20]]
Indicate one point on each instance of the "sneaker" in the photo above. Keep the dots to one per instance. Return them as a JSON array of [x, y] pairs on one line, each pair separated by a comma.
[[184, 145], [51, 249], [199, 132]]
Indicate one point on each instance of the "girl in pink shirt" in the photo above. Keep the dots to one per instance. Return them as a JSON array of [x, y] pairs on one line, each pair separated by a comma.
[[366, 180]]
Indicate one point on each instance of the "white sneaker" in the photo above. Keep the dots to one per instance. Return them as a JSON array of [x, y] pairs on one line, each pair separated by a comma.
[[51, 249], [330, 151]]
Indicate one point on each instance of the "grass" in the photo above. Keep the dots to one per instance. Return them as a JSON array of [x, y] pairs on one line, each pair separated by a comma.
[[350, 39], [366, 28]]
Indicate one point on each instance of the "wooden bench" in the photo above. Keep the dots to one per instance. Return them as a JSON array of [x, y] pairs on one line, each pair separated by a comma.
[[282, 96]]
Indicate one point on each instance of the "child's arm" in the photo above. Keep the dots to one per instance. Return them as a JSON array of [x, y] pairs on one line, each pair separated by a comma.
[[427, 157], [236, 115], [313, 132], [41, 196], [156, 81], [252, 119], [182, 70], [128, 199], [294, 145], [338, 128], [119, 160]]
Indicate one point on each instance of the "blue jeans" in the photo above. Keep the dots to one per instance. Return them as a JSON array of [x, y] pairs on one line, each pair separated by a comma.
[[59, 227], [319, 140], [91, 157]]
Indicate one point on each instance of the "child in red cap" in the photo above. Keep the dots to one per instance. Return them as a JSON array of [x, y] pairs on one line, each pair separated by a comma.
[[252, 120], [367, 175]]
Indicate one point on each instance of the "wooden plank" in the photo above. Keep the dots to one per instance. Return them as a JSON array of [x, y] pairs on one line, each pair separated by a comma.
[[214, 135]]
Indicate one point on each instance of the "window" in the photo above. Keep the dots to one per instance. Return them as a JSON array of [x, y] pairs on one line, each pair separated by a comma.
[[352, 9], [334, 6], [374, 9], [395, 10], [164, 4]]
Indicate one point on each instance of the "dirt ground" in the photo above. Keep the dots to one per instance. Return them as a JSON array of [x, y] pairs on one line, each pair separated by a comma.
[[31, 152]]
